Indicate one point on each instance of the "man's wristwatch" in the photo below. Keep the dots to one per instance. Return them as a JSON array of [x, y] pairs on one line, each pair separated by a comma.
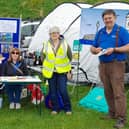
[[114, 50]]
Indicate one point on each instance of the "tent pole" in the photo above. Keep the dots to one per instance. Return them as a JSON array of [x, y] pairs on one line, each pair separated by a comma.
[[78, 63]]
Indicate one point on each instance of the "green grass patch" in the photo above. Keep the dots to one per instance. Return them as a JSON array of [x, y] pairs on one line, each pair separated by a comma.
[[28, 116]]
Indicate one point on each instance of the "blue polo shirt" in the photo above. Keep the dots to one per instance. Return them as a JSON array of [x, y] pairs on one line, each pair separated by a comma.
[[105, 40]]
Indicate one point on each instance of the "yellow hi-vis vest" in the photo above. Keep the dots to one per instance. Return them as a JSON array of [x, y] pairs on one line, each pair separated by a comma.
[[59, 62]]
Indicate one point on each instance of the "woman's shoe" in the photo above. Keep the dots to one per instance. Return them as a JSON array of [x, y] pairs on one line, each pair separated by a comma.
[[68, 113], [54, 112], [18, 105], [11, 106]]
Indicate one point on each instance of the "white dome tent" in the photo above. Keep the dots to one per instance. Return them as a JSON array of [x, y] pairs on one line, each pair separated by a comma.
[[112, 5], [67, 17], [63, 16]]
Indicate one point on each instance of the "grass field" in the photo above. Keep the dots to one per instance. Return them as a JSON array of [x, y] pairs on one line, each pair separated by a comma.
[[28, 117]]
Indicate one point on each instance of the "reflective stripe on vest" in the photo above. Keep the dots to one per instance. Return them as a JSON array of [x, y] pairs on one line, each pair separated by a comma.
[[60, 62]]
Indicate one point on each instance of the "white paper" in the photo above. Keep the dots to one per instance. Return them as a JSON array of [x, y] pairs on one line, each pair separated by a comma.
[[101, 52], [8, 26]]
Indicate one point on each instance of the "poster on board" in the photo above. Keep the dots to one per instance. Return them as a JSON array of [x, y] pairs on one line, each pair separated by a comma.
[[92, 22], [9, 35]]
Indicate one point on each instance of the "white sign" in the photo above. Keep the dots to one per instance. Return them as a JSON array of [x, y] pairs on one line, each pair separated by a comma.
[[8, 26]]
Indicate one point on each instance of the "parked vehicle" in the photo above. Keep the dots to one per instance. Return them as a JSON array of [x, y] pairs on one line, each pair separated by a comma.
[[27, 32]]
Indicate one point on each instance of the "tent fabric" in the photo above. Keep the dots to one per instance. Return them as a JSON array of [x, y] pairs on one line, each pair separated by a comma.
[[62, 17], [67, 17], [95, 100], [112, 5]]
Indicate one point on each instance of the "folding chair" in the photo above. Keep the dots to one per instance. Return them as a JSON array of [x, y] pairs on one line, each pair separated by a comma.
[[79, 78], [2, 90]]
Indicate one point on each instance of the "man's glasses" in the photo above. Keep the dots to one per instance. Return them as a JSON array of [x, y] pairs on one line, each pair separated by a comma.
[[16, 53]]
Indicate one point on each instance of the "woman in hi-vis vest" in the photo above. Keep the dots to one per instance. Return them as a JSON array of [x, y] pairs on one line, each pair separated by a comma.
[[56, 64]]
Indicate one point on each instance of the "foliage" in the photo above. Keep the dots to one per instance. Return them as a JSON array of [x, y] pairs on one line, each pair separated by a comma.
[[35, 9], [21, 8]]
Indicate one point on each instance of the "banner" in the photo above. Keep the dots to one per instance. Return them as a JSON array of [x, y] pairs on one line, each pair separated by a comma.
[[92, 22], [9, 35]]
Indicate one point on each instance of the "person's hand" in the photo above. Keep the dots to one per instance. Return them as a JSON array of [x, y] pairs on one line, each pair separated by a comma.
[[98, 49], [69, 75], [109, 51]]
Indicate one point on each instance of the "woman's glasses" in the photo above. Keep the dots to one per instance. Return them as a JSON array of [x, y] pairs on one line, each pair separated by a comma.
[[16, 53]]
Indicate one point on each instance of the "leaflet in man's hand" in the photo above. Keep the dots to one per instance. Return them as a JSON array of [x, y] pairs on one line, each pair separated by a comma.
[[102, 52]]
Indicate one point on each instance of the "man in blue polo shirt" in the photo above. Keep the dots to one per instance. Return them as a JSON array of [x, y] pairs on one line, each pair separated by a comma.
[[111, 44]]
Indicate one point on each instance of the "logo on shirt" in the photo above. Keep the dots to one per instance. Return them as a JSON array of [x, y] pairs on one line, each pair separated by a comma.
[[113, 36]]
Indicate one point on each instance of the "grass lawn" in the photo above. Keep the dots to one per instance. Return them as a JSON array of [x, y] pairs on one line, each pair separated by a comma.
[[28, 117]]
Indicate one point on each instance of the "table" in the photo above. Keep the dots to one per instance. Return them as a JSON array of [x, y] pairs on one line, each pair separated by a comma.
[[36, 68], [21, 80]]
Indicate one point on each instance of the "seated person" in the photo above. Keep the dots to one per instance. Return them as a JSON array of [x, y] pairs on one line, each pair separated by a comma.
[[1, 60], [14, 66]]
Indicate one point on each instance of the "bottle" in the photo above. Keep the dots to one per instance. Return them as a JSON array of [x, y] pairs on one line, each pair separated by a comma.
[[36, 61], [40, 60]]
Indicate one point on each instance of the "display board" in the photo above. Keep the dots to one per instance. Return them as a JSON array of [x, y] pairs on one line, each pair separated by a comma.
[[9, 35], [92, 22]]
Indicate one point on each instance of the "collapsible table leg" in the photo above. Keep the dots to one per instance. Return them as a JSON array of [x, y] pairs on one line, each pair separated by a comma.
[[39, 100]]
